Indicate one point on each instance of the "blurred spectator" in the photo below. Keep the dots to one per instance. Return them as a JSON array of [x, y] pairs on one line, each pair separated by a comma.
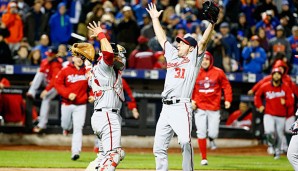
[[285, 12], [48, 7], [197, 30], [263, 7], [128, 30], [242, 117], [279, 44], [221, 18], [95, 15], [241, 29], [142, 57], [43, 45], [263, 40], [218, 48], [62, 52], [187, 18], [284, 21], [147, 31], [108, 26], [254, 57], [22, 56], [60, 26], [14, 24], [35, 23], [169, 18], [153, 42], [3, 6], [5, 53], [233, 50], [248, 8], [160, 60], [74, 12], [180, 6], [268, 23], [23, 42], [12, 106], [23, 9], [233, 10], [35, 57], [140, 10], [46, 76], [293, 40]]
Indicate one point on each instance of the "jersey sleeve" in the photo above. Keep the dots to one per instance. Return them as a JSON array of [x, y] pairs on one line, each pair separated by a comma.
[[60, 86], [170, 51], [226, 86]]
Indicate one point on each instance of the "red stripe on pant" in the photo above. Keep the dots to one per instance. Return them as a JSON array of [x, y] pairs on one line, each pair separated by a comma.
[[110, 126]]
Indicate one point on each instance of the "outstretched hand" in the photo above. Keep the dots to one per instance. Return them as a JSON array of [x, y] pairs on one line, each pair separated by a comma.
[[95, 28], [153, 11]]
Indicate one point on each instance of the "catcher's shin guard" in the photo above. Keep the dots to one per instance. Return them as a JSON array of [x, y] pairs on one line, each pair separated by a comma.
[[112, 159], [95, 164]]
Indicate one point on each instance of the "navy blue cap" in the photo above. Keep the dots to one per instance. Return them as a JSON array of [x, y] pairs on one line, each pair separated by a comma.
[[188, 40]]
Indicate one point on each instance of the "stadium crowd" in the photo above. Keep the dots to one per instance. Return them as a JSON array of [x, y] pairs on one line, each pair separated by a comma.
[[249, 35]]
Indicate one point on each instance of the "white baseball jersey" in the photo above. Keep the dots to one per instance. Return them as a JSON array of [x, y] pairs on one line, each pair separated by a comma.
[[107, 86], [181, 72]]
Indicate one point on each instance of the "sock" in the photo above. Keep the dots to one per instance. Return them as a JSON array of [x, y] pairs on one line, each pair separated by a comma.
[[203, 147]]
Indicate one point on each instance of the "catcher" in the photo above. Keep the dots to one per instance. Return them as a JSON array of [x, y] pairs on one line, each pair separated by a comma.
[[105, 79]]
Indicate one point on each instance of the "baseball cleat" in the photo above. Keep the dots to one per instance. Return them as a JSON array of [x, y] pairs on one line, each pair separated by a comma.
[[65, 132], [37, 129], [204, 162], [213, 145], [75, 157], [276, 156], [270, 150]]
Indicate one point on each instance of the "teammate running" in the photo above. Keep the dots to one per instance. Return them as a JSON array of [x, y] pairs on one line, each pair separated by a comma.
[[71, 83], [183, 64], [206, 102]]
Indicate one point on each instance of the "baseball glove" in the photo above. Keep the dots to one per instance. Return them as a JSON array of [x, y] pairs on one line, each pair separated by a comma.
[[294, 128], [84, 49], [210, 11]]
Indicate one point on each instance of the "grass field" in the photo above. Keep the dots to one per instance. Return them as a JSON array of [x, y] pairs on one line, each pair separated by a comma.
[[61, 159]]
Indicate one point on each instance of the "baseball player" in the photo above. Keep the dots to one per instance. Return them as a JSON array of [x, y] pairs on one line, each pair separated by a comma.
[[72, 85], [291, 109], [278, 97], [106, 84], [131, 105], [292, 153], [206, 102], [183, 64], [46, 76]]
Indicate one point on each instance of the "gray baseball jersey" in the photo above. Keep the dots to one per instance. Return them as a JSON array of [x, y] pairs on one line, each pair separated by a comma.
[[107, 86], [177, 117]]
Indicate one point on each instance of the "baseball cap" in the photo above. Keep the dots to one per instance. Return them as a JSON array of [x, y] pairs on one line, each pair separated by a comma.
[[126, 8], [224, 25], [12, 4], [188, 40], [294, 28], [52, 51], [285, 2], [280, 27], [277, 69], [142, 39], [255, 37]]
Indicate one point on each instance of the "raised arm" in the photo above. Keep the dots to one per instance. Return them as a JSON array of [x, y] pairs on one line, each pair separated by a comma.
[[159, 32], [105, 46], [98, 32], [202, 44]]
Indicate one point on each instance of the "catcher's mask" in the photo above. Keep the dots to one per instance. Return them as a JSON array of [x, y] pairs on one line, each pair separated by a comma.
[[119, 56]]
